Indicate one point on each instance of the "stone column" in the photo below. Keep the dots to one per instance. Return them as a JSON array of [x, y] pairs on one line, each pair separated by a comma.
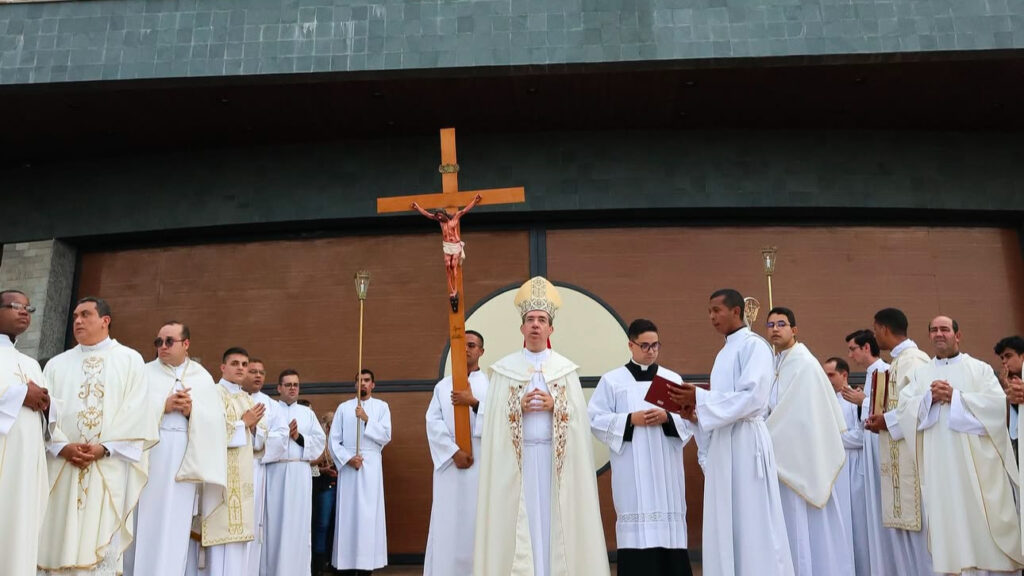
[[45, 272]]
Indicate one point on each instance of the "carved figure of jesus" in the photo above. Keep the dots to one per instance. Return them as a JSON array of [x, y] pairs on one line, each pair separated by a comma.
[[453, 247]]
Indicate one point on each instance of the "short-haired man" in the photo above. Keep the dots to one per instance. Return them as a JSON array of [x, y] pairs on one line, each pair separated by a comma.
[[1010, 351], [268, 426], [25, 413], [358, 434], [850, 484], [646, 444], [96, 466], [806, 424], [903, 546], [958, 410], [537, 507], [453, 510], [286, 550], [192, 451]]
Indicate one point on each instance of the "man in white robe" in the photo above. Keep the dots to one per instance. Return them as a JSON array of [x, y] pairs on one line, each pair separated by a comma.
[[806, 424], [268, 426], [192, 451], [287, 550], [228, 524], [537, 505], [453, 509], [360, 532], [25, 416], [903, 540], [1010, 351], [646, 444], [95, 460], [966, 463], [744, 528], [850, 484]]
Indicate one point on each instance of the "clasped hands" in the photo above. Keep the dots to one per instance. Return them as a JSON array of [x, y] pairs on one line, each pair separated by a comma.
[[537, 401], [180, 401], [81, 455], [652, 417], [37, 398], [1015, 389]]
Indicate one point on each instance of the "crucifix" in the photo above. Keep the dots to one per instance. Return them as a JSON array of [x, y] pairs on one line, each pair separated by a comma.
[[445, 210]]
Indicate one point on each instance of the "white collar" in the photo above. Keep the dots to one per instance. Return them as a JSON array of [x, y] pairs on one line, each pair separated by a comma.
[[741, 333], [537, 357], [643, 367], [5, 341], [905, 345], [101, 345], [947, 361], [876, 365], [230, 386]]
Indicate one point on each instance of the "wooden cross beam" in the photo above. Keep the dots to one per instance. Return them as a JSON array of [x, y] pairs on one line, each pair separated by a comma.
[[450, 200]]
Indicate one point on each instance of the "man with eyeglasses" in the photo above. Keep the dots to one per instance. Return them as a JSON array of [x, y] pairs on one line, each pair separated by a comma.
[[646, 443], [192, 451], [25, 415], [456, 474], [96, 449], [806, 424], [286, 551], [269, 425]]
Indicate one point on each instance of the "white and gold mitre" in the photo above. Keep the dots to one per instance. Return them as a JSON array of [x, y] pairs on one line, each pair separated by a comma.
[[538, 294]]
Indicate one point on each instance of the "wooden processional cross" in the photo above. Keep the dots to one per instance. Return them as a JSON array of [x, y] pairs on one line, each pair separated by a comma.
[[450, 200]]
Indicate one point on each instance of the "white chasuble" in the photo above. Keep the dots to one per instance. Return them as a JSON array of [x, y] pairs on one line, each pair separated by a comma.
[[360, 533], [967, 467], [744, 528], [228, 525], [537, 504], [806, 425], [849, 491], [102, 390], [453, 509], [191, 451], [648, 482], [23, 476], [287, 549]]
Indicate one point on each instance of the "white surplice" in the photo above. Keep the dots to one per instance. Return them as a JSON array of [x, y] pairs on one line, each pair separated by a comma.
[[893, 551], [287, 550], [87, 525], [360, 532], [648, 481], [967, 467], [806, 425], [267, 426], [191, 451], [453, 509], [850, 489], [744, 529], [23, 476]]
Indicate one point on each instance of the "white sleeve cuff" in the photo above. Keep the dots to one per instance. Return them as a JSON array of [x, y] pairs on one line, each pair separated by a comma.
[[54, 448], [130, 450], [927, 413], [238, 437], [10, 406], [961, 419], [892, 422]]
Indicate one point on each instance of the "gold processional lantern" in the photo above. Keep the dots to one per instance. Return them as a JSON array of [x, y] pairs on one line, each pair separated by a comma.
[[362, 282], [768, 254]]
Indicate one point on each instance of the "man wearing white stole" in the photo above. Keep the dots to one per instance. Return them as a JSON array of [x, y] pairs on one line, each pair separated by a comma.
[[269, 425], [646, 443], [192, 451], [95, 459], [453, 509], [26, 412], [744, 529], [967, 467], [903, 542], [806, 424], [288, 547], [227, 524], [537, 506]]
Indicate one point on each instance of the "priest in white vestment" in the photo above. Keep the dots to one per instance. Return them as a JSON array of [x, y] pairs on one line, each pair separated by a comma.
[[192, 451], [646, 444], [850, 484], [806, 424], [537, 504], [902, 543], [966, 462], [228, 525], [268, 426], [287, 550], [95, 461], [26, 412], [744, 528], [453, 508], [358, 434]]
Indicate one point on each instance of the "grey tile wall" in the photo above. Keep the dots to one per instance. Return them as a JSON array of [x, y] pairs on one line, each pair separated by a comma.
[[119, 39]]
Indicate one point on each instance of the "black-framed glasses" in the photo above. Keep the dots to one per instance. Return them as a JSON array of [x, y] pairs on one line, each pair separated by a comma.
[[19, 307], [161, 342], [648, 346]]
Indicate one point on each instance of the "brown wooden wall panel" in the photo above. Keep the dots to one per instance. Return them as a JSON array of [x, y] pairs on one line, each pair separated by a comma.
[[834, 279]]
